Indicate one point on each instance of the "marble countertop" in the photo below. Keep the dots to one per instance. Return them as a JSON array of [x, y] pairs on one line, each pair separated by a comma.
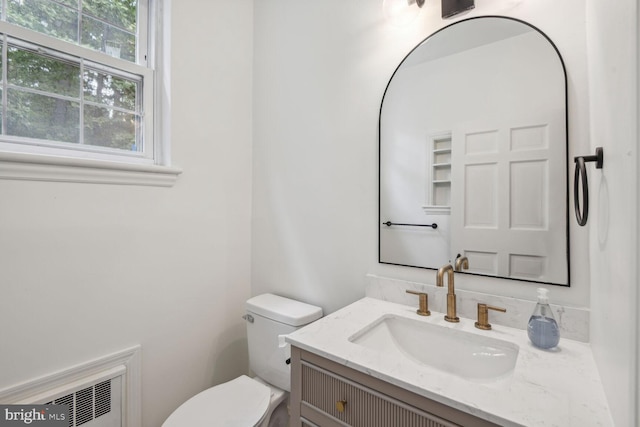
[[547, 388]]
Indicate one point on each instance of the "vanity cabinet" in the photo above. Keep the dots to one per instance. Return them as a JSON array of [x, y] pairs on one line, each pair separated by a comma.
[[327, 394]]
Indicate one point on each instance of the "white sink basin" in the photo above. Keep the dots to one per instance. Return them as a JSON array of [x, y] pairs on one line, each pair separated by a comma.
[[467, 355]]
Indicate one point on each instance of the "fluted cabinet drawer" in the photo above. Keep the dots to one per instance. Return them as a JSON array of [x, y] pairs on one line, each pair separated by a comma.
[[318, 383], [359, 405]]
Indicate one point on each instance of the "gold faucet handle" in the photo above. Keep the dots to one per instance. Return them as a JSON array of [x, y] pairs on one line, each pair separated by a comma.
[[423, 309], [483, 315]]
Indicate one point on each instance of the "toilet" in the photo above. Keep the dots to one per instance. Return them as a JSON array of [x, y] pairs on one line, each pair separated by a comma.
[[260, 401]]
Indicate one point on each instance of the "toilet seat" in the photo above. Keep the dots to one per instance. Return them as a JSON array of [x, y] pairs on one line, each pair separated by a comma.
[[241, 402]]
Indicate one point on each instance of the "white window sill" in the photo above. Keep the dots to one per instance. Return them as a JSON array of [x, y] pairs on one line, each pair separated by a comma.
[[37, 167]]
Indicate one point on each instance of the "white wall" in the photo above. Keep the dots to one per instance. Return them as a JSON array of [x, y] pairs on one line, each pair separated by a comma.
[[613, 54], [90, 269], [319, 73]]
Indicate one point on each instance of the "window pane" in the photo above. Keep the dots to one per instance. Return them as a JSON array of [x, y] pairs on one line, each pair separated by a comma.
[[120, 13], [109, 39], [109, 26], [105, 127], [45, 16], [41, 72], [42, 117], [110, 90], [57, 95]]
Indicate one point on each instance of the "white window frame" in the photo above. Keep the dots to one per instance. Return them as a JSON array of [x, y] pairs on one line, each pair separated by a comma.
[[83, 163]]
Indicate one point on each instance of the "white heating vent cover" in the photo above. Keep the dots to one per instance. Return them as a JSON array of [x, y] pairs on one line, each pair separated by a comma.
[[97, 405], [104, 392]]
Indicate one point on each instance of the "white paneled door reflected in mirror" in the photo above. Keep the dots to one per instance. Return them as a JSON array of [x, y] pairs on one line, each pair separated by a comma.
[[473, 138]]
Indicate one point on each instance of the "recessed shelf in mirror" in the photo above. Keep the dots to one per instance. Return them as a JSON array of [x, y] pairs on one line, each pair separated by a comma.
[[438, 185]]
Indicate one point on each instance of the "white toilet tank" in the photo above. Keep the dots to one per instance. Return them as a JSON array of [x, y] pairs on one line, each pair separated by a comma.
[[269, 318]]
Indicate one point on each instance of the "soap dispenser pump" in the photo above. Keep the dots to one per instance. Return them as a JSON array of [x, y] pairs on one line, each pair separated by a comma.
[[543, 330]]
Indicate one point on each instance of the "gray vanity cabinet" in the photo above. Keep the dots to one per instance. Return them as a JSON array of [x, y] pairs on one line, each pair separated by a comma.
[[327, 394]]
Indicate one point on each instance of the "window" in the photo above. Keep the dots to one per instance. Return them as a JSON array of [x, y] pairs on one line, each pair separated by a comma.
[[78, 81]]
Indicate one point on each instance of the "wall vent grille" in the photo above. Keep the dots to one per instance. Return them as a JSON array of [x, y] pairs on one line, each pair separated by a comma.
[[87, 404], [116, 375]]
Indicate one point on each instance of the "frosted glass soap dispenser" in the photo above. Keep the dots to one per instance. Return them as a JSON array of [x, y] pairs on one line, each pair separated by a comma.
[[543, 329]]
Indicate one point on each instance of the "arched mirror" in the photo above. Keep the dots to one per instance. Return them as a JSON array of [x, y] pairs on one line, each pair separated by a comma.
[[473, 154]]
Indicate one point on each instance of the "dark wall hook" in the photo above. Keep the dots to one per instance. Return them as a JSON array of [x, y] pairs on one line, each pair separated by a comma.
[[581, 175]]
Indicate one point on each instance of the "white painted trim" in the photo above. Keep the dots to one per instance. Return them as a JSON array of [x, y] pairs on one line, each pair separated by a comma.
[[131, 359], [73, 386], [69, 48], [161, 61], [36, 167], [142, 44], [436, 210]]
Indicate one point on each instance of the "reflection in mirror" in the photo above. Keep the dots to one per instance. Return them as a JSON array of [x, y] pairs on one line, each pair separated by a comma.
[[473, 138]]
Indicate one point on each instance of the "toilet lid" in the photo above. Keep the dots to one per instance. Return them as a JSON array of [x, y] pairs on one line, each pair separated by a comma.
[[240, 402]]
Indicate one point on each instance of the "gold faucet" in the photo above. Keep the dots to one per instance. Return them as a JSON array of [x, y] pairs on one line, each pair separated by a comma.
[[462, 262], [423, 308], [451, 295], [483, 315]]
